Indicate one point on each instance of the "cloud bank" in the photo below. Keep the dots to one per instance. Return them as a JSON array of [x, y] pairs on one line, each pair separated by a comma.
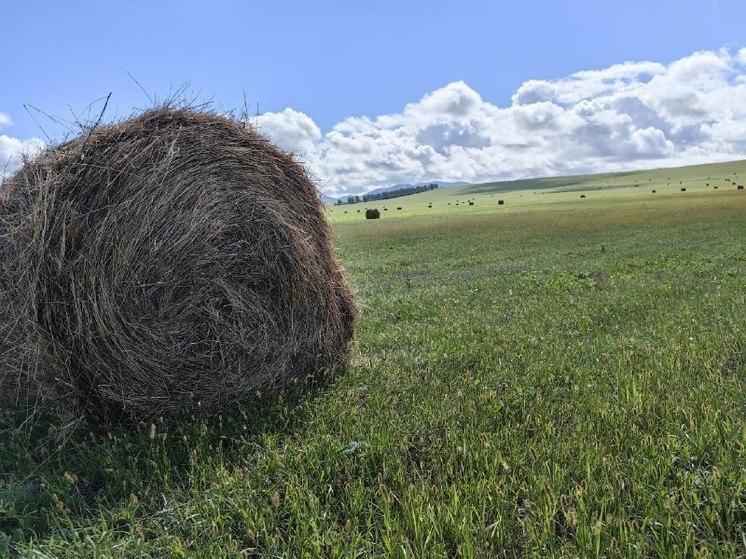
[[630, 115]]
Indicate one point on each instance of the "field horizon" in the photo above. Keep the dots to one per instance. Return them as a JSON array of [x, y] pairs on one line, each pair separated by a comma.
[[665, 180]]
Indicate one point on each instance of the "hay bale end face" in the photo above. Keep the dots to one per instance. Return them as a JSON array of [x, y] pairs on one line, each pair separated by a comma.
[[172, 262], [372, 213]]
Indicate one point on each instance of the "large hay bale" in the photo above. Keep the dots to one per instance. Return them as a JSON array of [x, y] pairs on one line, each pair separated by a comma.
[[174, 261], [372, 213]]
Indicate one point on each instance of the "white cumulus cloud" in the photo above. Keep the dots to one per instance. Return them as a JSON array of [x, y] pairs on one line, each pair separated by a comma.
[[629, 115], [12, 149], [293, 131]]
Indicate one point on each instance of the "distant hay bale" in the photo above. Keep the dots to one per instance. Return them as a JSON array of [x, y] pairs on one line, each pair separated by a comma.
[[172, 262], [372, 213], [582, 195], [471, 203], [500, 202], [653, 191], [398, 207], [683, 190], [739, 187]]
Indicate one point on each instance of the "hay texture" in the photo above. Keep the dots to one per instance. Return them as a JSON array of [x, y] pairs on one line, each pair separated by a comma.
[[174, 261]]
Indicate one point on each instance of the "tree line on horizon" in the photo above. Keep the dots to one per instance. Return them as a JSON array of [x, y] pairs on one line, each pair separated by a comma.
[[386, 195]]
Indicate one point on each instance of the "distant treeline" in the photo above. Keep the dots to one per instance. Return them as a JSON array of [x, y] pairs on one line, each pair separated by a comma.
[[404, 191]]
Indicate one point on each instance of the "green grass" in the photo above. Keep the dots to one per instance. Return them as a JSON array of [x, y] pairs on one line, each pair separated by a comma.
[[552, 377]]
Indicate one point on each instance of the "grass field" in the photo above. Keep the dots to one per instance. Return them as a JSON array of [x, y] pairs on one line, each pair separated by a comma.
[[552, 377]]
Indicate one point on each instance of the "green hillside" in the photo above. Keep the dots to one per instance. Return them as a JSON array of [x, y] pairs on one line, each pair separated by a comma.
[[689, 176]]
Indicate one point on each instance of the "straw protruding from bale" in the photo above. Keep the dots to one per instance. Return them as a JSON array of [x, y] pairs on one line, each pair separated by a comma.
[[172, 262]]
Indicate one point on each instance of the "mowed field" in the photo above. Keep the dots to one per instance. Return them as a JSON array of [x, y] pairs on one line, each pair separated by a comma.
[[552, 377]]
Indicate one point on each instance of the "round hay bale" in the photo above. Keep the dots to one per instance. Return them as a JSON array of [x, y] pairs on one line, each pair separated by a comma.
[[176, 261], [739, 187], [372, 213], [500, 202]]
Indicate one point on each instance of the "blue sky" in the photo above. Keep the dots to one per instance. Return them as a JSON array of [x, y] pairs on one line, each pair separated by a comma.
[[423, 89]]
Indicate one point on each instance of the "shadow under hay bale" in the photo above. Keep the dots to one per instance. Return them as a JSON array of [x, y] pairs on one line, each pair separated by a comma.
[[372, 213], [173, 262]]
